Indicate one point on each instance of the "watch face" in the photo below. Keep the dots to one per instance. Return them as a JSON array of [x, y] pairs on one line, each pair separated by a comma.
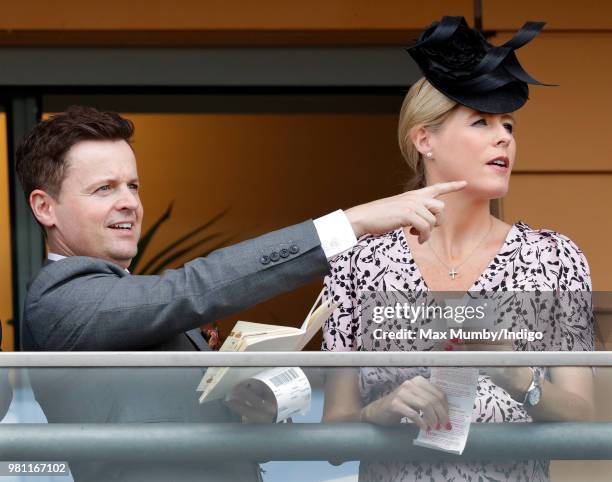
[[534, 396]]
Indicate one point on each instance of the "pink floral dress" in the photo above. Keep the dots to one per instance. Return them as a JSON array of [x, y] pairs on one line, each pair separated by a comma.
[[529, 260]]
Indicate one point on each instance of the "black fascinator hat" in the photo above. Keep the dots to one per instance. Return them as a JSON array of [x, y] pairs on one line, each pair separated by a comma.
[[460, 63]]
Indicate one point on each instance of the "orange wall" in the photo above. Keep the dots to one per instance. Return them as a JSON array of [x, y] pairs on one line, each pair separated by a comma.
[[227, 14], [6, 291], [559, 14]]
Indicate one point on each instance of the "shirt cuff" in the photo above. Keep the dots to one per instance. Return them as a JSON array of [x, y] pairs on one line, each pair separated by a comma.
[[335, 232]]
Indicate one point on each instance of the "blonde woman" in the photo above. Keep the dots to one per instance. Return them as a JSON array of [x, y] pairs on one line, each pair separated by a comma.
[[456, 124]]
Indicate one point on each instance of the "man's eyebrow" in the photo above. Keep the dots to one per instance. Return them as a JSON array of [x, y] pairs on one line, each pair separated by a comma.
[[99, 182], [109, 180]]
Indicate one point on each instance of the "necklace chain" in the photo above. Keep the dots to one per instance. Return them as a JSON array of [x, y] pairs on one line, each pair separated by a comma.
[[452, 271]]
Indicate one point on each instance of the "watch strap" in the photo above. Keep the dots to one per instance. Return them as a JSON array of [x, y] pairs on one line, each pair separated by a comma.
[[534, 385]]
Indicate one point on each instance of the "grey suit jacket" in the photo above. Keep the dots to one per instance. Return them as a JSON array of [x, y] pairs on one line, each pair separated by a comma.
[[82, 303]]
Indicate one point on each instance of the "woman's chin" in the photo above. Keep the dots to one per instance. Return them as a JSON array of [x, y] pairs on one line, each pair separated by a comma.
[[489, 191], [498, 193]]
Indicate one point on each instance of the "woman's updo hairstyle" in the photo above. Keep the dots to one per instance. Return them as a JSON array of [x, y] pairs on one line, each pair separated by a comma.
[[423, 106]]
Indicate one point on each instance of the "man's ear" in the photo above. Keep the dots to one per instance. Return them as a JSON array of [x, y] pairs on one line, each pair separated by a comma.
[[42, 205], [421, 138]]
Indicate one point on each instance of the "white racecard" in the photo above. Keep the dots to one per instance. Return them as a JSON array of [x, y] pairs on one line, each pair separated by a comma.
[[460, 386], [291, 390]]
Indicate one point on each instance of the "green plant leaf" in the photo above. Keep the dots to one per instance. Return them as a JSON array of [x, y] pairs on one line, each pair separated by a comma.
[[146, 239], [156, 259]]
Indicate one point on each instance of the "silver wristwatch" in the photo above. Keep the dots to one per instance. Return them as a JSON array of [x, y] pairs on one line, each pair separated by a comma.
[[534, 392]]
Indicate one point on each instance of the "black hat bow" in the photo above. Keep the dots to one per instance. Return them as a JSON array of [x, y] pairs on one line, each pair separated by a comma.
[[460, 63]]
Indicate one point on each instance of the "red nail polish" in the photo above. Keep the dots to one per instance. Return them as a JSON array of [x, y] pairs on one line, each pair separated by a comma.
[[449, 426]]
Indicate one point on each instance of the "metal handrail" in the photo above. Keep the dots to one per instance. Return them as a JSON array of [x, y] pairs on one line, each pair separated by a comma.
[[303, 359], [182, 442]]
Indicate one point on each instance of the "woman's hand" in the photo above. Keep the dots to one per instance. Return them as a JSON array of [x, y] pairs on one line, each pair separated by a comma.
[[254, 402], [418, 209], [416, 399]]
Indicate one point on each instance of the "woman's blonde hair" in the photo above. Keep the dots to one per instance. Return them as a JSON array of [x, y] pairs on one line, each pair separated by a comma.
[[423, 106]]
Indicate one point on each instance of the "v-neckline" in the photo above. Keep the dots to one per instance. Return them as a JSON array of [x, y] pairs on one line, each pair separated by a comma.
[[418, 272]]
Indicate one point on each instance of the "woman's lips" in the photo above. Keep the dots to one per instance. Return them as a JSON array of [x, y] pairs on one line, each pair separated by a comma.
[[503, 169], [500, 164]]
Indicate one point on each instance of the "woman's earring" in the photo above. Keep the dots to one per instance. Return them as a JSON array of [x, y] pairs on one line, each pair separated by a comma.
[[429, 155]]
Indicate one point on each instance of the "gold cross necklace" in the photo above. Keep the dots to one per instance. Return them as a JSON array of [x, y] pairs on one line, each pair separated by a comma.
[[452, 271]]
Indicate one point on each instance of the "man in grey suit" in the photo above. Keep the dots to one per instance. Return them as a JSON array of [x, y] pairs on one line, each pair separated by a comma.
[[79, 173]]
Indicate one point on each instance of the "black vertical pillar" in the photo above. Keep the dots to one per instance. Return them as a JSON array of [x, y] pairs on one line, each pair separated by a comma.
[[28, 246]]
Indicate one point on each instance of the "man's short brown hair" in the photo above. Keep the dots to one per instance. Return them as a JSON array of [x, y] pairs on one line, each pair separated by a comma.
[[41, 157]]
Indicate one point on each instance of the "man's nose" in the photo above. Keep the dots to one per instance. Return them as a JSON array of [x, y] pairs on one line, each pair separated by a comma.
[[127, 199]]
